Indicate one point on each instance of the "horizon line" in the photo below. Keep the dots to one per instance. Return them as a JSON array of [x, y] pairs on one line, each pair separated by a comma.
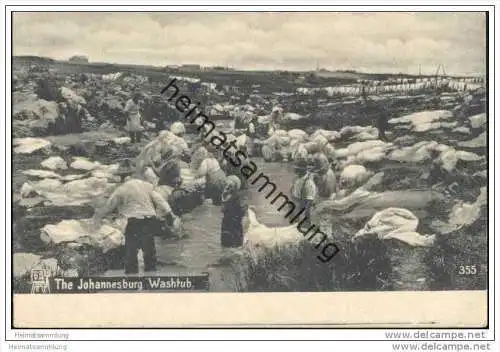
[[232, 68]]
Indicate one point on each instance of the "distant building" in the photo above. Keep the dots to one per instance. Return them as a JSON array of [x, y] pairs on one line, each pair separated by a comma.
[[191, 67], [219, 68], [172, 67], [80, 59]]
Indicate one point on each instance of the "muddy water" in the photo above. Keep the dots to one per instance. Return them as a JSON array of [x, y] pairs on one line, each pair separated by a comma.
[[200, 250]]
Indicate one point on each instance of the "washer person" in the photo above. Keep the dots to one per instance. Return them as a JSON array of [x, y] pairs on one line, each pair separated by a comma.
[[133, 126], [304, 190], [138, 202]]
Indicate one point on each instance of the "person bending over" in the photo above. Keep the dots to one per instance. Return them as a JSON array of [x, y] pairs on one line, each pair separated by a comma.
[[138, 202]]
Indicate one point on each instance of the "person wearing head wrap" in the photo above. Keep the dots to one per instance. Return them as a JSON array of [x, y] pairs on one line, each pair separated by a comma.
[[324, 176], [276, 117], [178, 129], [169, 178], [252, 135], [304, 190], [233, 212], [215, 177]]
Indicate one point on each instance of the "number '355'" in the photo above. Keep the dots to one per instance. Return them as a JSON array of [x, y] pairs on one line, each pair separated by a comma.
[[467, 270]]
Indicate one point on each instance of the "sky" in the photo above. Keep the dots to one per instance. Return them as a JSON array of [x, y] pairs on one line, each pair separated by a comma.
[[367, 42]]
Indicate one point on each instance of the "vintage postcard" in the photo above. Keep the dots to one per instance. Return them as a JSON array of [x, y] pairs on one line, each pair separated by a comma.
[[237, 169]]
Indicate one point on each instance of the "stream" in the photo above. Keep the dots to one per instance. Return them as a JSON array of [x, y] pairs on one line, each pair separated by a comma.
[[200, 250]]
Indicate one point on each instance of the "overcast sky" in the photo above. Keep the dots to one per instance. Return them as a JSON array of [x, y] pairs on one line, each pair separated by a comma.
[[369, 42]]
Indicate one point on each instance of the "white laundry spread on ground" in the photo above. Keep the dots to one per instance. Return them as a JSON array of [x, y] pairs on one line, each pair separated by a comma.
[[78, 192], [354, 174], [29, 145], [107, 237], [423, 120], [81, 163], [396, 223], [259, 234], [41, 173], [54, 163]]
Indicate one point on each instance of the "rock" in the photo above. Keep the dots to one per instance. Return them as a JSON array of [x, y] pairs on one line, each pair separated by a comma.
[[54, 163], [22, 263], [29, 145]]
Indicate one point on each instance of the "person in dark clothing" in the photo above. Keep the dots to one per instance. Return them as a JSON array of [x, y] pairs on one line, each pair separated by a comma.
[[140, 233], [145, 210], [233, 212], [382, 124], [252, 135]]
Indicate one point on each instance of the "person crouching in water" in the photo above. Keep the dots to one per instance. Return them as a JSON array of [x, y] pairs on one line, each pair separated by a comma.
[[324, 177], [215, 178], [233, 212], [138, 202], [304, 189], [170, 179]]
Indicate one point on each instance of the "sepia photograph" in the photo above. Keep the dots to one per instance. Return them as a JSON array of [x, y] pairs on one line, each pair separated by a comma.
[[249, 152]]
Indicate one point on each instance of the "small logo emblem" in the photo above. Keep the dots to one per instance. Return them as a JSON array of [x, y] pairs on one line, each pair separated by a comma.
[[40, 280]]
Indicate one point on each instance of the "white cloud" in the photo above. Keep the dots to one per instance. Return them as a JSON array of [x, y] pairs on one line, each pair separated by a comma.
[[377, 42]]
